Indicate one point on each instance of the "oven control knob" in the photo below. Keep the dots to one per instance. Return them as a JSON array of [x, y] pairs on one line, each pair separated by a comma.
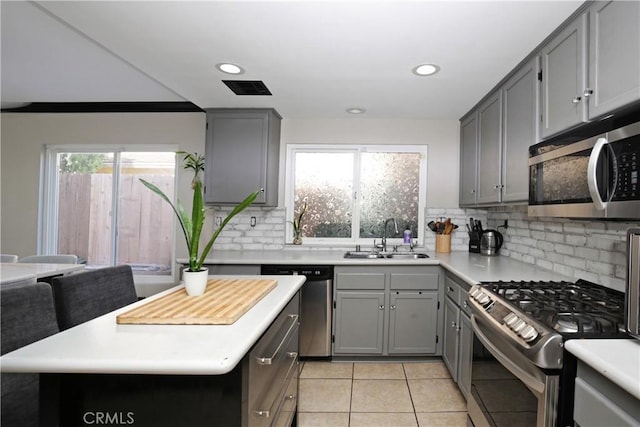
[[510, 319], [528, 333], [518, 325], [484, 299], [473, 292]]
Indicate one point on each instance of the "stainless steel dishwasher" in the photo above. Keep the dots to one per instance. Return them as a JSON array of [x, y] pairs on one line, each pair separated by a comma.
[[315, 306]]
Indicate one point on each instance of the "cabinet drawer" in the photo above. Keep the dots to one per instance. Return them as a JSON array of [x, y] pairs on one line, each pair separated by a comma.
[[594, 409], [270, 378], [409, 281], [360, 281], [452, 290], [464, 302], [288, 403]]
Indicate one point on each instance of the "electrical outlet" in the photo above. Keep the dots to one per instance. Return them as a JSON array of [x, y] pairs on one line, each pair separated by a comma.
[[253, 221]]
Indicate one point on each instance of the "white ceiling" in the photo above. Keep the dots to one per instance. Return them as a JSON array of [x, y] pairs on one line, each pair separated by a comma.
[[317, 57]]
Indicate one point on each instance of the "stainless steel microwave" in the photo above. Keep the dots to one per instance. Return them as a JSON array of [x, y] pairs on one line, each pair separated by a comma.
[[598, 177], [632, 294]]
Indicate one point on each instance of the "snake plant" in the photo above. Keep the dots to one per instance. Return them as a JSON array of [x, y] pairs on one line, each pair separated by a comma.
[[192, 226]]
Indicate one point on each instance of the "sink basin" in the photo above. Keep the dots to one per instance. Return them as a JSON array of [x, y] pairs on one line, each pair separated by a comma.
[[391, 255], [407, 255], [363, 254]]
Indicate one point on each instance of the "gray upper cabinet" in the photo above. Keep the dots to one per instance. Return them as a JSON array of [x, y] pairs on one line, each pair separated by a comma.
[[468, 158], [564, 79], [242, 155], [489, 144], [614, 56], [591, 67], [494, 142], [520, 107]]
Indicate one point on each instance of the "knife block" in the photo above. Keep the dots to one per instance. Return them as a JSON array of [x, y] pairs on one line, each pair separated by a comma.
[[474, 242]]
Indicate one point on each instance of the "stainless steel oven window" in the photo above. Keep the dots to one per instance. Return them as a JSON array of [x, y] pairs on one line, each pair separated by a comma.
[[506, 388]]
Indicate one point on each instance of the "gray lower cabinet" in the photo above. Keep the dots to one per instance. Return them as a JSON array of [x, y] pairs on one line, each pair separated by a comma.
[[458, 335], [360, 316], [242, 156], [407, 310], [386, 311], [599, 402]]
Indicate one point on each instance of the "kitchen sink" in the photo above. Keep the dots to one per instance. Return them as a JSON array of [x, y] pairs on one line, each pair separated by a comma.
[[390, 255], [363, 254], [407, 255]]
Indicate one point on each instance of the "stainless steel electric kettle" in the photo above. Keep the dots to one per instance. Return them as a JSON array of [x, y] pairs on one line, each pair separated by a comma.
[[491, 242]]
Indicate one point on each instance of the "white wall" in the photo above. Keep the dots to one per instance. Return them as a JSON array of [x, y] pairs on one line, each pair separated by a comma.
[[23, 137]]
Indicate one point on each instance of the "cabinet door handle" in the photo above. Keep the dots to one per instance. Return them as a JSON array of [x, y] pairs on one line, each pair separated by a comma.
[[449, 289], [453, 324], [381, 307], [576, 100], [269, 360], [464, 304], [393, 307], [588, 92]]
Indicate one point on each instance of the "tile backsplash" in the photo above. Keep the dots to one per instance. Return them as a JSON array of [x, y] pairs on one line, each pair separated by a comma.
[[590, 250]]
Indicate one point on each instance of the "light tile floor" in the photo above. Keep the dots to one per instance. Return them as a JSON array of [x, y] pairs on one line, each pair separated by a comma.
[[412, 394]]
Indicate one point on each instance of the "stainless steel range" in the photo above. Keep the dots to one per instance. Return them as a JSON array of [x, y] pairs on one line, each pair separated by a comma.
[[521, 374]]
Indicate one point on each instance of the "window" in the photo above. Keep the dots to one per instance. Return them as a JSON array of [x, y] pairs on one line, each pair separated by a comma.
[[351, 190], [94, 206]]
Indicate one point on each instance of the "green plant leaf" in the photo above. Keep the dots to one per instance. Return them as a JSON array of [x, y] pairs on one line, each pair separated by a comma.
[[239, 208], [185, 225]]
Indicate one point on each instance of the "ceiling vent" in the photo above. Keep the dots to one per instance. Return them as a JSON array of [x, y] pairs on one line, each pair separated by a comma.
[[247, 87]]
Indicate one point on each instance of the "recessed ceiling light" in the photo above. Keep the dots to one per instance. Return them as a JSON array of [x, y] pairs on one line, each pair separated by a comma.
[[426, 69], [355, 110], [229, 68]]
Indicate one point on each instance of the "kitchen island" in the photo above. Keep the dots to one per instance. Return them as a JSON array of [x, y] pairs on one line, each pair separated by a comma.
[[170, 374]]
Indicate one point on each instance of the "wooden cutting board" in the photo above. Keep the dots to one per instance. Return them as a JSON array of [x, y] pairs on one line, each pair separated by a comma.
[[224, 302]]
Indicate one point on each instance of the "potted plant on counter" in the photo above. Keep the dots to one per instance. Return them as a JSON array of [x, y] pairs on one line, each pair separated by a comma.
[[195, 277], [297, 225]]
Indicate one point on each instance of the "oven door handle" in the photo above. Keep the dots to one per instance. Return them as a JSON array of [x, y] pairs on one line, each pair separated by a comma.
[[531, 382]]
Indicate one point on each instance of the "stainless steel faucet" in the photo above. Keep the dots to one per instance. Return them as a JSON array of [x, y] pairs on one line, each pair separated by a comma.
[[384, 232]]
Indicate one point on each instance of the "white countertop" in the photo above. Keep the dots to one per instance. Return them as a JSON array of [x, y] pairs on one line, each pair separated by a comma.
[[472, 268], [14, 271], [103, 346], [618, 360]]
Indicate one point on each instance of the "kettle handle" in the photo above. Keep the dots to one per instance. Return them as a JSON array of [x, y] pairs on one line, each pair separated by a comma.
[[500, 239]]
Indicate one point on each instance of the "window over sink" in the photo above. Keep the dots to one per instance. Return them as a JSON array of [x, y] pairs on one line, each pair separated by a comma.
[[94, 206], [350, 191]]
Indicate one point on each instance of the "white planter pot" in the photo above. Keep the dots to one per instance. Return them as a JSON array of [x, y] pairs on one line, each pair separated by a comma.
[[195, 282]]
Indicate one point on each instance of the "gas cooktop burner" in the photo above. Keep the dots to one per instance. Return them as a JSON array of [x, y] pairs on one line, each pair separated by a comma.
[[577, 309]]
